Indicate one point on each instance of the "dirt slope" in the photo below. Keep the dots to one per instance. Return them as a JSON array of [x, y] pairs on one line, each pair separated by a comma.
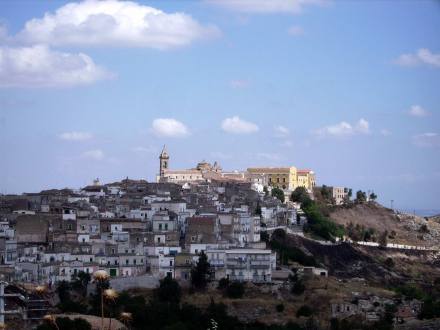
[[409, 229]]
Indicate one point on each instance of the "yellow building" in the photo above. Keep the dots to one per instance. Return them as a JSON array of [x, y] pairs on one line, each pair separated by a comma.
[[281, 177], [306, 179]]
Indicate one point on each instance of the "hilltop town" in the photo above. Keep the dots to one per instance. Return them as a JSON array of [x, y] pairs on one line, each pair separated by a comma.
[[269, 244]]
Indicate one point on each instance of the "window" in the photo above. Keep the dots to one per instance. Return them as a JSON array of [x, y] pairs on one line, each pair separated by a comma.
[[134, 261], [160, 226], [126, 261], [166, 226], [171, 262]]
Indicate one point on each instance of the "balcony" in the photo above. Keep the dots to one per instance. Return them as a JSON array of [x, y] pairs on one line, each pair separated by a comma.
[[236, 266], [262, 266], [217, 263]]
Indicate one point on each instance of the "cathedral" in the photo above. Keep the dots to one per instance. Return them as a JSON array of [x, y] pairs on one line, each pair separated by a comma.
[[203, 171]]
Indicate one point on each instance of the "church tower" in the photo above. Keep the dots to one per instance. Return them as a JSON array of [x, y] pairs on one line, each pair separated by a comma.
[[164, 161]]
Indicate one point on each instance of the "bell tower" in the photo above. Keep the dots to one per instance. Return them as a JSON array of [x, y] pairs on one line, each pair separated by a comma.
[[164, 161]]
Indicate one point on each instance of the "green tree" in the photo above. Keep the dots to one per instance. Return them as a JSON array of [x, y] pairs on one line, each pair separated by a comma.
[[327, 193], [373, 196], [300, 195], [266, 191], [200, 272], [81, 281], [361, 196], [169, 291], [278, 193], [63, 290], [258, 209]]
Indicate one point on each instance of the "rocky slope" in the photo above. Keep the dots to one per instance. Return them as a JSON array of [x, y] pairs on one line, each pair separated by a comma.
[[402, 228]]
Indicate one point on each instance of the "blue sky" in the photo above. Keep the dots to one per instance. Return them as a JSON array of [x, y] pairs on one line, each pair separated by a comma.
[[349, 89]]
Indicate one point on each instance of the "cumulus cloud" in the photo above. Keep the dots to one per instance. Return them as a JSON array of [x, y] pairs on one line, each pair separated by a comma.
[[114, 23], [39, 66], [169, 127], [295, 30], [96, 154], [344, 129], [418, 111], [426, 140], [422, 57], [281, 131], [236, 125], [266, 6], [76, 136]]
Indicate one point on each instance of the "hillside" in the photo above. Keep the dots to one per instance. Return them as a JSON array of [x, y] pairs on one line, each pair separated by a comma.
[[402, 228]]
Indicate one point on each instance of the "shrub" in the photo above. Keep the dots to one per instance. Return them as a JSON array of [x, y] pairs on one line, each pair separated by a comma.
[[304, 311], [280, 308], [298, 288], [389, 262], [235, 290], [223, 283]]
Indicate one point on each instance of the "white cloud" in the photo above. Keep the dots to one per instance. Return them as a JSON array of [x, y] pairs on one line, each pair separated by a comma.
[[266, 6], [76, 136], [422, 56], [362, 127], [418, 111], [426, 140], [385, 132], [96, 154], [236, 125], [281, 131], [39, 66], [239, 83], [169, 127], [295, 30], [114, 23], [344, 129]]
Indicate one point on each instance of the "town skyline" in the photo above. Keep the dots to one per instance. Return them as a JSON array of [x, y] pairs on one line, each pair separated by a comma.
[[245, 85]]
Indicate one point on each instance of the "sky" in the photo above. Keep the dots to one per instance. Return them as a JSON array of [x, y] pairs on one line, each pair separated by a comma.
[[350, 89]]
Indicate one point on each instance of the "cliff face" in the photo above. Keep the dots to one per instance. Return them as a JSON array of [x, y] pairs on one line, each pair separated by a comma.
[[403, 228]]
